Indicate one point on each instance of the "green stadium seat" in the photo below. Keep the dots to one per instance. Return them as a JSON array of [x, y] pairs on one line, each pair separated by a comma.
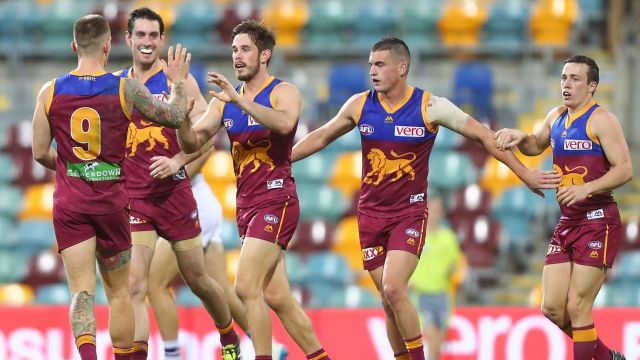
[[57, 23], [420, 24], [451, 170], [35, 234], [195, 23], [230, 236], [505, 27], [320, 202], [374, 20], [327, 267], [54, 294], [186, 297], [8, 238], [9, 169], [296, 269], [315, 169], [14, 265], [327, 27]]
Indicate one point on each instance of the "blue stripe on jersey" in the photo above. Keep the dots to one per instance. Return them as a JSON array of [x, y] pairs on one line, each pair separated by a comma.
[[231, 113], [87, 85], [574, 140], [405, 124]]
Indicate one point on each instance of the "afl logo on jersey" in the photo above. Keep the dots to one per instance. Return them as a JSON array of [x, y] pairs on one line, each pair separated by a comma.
[[366, 129], [227, 123]]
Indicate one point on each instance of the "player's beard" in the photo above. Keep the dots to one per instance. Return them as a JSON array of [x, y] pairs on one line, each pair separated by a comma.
[[252, 70]]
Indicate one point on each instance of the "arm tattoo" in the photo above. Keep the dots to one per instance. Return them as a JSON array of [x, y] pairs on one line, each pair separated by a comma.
[[115, 262], [83, 320], [169, 114]]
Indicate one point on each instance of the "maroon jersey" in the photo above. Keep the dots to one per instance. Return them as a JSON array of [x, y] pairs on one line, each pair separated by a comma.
[[396, 144], [89, 120], [146, 140], [579, 158], [261, 158]]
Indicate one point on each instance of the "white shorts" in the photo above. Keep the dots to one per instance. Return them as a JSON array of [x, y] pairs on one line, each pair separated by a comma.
[[209, 210]]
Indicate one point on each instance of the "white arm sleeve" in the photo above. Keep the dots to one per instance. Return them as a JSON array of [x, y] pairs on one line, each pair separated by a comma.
[[441, 111]]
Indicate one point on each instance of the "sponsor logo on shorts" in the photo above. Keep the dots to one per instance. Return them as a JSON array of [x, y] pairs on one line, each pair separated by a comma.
[[595, 214], [275, 184], [416, 198], [597, 245], [272, 219], [594, 254], [577, 145], [409, 131], [411, 241], [372, 252], [136, 220], [251, 121], [366, 129], [180, 175], [554, 249], [194, 215], [412, 232], [227, 123], [268, 228]]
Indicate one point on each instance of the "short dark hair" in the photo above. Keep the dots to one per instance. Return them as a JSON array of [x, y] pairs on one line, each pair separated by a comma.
[[144, 13], [593, 74], [89, 32], [262, 36], [393, 44]]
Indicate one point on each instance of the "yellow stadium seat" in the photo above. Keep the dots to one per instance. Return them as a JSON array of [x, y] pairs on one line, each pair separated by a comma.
[[347, 238], [219, 168], [461, 22], [226, 195], [497, 177], [347, 173], [38, 202], [232, 257], [166, 9], [551, 21], [16, 294], [287, 18]]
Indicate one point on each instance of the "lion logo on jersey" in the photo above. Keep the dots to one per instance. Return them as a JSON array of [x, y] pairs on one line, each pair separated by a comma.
[[255, 154], [381, 166], [136, 136], [569, 177]]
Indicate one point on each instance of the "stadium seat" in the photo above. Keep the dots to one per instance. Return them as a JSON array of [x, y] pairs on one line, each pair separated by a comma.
[[374, 20], [461, 23], [420, 24], [35, 234], [310, 236], [13, 265], [326, 267], [19, 22], [313, 169], [497, 177], [474, 150], [9, 169], [551, 22], [230, 236], [185, 297], [473, 89], [296, 268], [347, 142], [166, 9], [7, 229], [116, 15], [38, 202], [58, 20], [347, 173], [226, 195], [470, 200], [352, 296], [622, 293], [287, 18], [345, 80], [233, 14], [219, 168], [101, 295], [479, 239], [515, 209], [53, 294], [451, 170], [16, 294], [630, 235], [328, 25], [447, 140], [505, 28], [628, 267], [45, 267], [233, 256], [320, 202], [194, 25], [10, 200]]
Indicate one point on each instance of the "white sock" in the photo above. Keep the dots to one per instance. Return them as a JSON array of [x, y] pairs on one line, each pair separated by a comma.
[[172, 350]]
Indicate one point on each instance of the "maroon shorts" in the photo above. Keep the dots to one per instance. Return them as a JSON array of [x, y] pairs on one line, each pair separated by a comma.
[[173, 216], [273, 221], [379, 235], [111, 230], [591, 244]]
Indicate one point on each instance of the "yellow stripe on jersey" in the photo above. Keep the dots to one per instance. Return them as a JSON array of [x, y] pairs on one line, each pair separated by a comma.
[[606, 242], [284, 210], [400, 104], [426, 96], [588, 130], [266, 83], [123, 101], [359, 113], [47, 106], [570, 119]]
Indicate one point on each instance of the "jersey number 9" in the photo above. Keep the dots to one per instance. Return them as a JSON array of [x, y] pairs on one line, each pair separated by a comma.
[[85, 129]]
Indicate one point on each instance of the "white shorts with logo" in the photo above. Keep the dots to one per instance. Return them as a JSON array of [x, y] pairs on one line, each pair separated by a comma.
[[209, 210]]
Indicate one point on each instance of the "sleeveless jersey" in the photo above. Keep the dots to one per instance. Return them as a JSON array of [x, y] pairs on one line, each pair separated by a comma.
[[396, 144], [88, 119], [579, 158], [261, 158], [145, 140]]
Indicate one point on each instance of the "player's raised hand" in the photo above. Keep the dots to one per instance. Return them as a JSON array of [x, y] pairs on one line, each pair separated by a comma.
[[176, 67], [509, 138], [227, 93], [538, 179]]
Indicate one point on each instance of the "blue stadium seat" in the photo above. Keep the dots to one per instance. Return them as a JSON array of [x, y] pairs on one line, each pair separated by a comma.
[[622, 293], [320, 202], [327, 267], [9, 169], [35, 234], [473, 88], [186, 297], [57, 23], [447, 140], [451, 170], [14, 265], [315, 169], [374, 20], [194, 25], [347, 142], [230, 235], [628, 267], [8, 238], [54, 294], [296, 268], [328, 25], [345, 80], [351, 296], [19, 22], [505, 28], [420, 24]]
